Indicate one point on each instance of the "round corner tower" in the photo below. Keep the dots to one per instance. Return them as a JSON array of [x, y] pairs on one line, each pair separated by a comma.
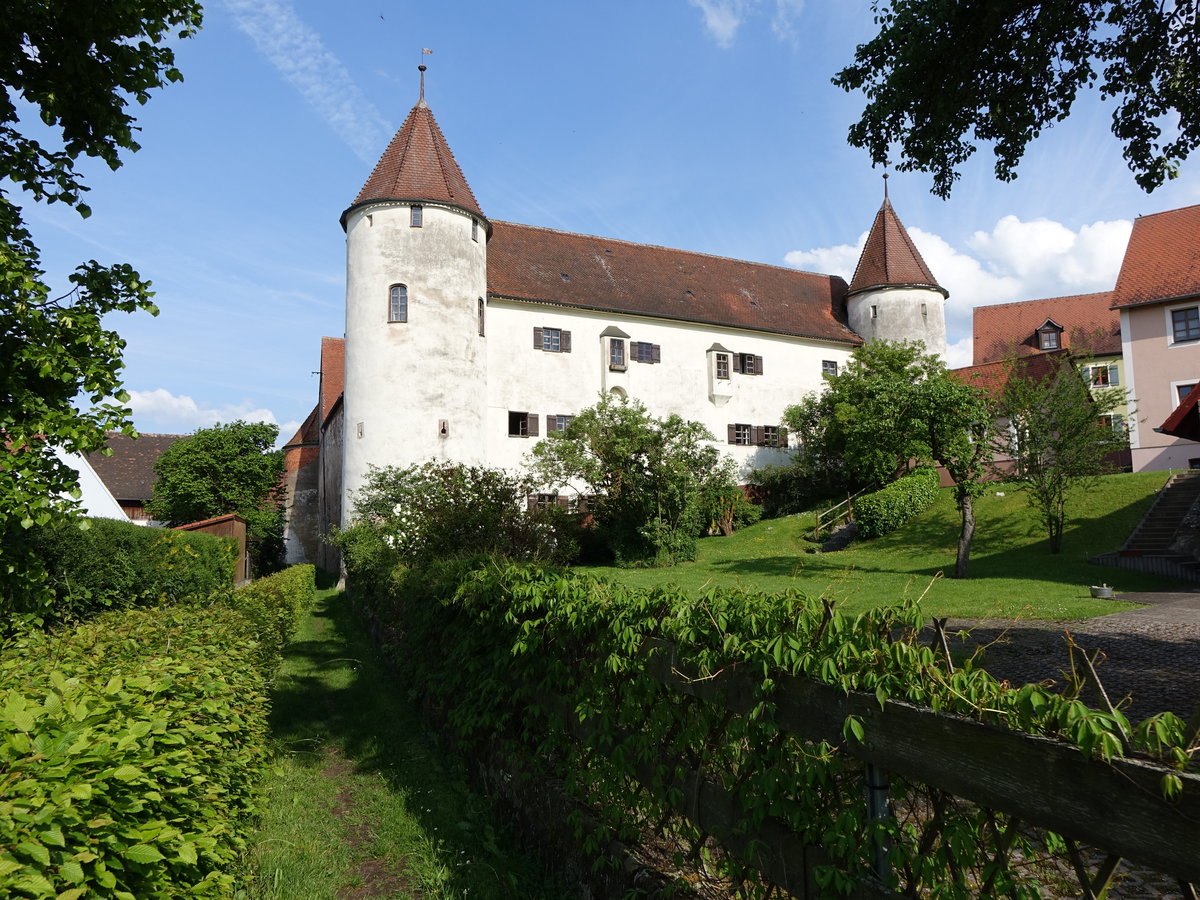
[[416, 295], [893, 296]]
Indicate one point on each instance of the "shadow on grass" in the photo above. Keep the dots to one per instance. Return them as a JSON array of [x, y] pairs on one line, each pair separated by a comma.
[[344, 695]]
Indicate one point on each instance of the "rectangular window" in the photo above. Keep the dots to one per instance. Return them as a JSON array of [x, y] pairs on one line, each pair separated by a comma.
[[415, 214], [558, 423], [646, 353], [1115, 422], [740, 434], [747, 364], [828, 367], [770, 436], [475, 229], [522, 424], [722, 365], [1185, 324], [1048, 340], [616, 353], [481, 307], [1102, 376], [1182, 390], [552, 340], [398, 303]]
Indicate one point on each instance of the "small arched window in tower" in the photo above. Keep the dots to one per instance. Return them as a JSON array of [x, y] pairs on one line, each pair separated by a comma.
[[481, 307], [475, 229], [398, 303], [415, 213], [874, 311], [924, 312]]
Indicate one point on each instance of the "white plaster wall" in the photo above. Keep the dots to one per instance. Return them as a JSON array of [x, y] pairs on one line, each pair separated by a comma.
[[523, 379], [900, 317], [95, 499], [404, 379]]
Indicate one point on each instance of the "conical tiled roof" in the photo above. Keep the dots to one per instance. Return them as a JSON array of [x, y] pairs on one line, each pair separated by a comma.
[[418, 165], [890, 258]]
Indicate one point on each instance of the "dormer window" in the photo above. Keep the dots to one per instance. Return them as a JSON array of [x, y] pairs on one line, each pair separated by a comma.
[[1049, 336], [415, 214]]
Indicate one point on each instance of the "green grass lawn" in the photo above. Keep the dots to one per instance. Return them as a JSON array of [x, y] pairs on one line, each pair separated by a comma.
[[1012, 573], [361, 801]]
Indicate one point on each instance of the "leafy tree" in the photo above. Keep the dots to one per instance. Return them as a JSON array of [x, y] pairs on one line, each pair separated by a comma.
[[421, 513], [1056, 437], [648, 477], [894, 403], [224, 469], [941, 76], [76, 66]]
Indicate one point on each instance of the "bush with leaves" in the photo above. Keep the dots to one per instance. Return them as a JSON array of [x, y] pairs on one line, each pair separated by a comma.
[[413, 515], [133, 747], [646, 477], [116, 564], [885, 510]]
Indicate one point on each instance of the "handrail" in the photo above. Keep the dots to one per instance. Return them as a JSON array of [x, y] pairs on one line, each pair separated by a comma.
[[825, 517]]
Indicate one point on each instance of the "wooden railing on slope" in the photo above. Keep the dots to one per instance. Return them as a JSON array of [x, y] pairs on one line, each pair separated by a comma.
[[835, 515], [1117, 807]]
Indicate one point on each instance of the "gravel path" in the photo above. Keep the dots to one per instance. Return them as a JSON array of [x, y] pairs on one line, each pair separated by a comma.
[[1151, 654]]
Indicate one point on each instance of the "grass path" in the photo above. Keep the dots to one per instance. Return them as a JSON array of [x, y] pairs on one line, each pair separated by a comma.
[[362, 803]]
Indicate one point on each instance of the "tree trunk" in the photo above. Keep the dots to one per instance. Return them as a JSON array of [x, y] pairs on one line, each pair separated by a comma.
[[963, 562]]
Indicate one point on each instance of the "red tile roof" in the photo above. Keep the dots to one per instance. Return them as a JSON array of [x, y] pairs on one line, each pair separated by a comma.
[[418, 165], [129, 472], [994, 377], [1184, 422], [1162, 261], [1006, 330], [333, 374], [586, 272], [890, 258]]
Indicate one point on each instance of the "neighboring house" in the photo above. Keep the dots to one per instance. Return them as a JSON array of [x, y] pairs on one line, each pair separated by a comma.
[[128, 472], [95, 498], [1158, 298], [1084, 325], [467, 340], [301, 482]]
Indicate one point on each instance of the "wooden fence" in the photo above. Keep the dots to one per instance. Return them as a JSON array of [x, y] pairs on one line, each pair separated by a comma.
[[1117, 808]]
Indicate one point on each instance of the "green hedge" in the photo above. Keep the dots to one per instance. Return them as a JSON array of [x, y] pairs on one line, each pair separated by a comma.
[[890, 507], [132, 747], [113, 563]]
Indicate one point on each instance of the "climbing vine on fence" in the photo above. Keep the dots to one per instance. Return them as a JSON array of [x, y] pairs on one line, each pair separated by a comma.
[[505, 650]]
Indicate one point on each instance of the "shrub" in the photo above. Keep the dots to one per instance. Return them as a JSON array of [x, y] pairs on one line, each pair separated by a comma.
[[113, 563], [133, 747], [888, 508]]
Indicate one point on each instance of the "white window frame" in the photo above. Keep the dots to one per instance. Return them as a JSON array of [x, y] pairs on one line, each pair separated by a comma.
[[1170, 323]]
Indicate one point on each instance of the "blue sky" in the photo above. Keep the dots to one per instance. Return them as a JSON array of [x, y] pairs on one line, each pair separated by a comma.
[[709, 125]]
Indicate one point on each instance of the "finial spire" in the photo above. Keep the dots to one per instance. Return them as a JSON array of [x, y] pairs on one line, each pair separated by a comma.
[[421, 69], [885, 181]]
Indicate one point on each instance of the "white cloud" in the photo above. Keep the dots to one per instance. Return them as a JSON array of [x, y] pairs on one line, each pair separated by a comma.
[[723, 18], [1014, 261], [297, 52], [160, 410]]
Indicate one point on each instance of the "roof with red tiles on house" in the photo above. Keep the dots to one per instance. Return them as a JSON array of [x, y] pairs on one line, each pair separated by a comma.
[[1184, 422], [418, 165], [586, 272], [1162, 261], [128, 472], [994, 376], [1007, 330], [890, 258], [333, 374]]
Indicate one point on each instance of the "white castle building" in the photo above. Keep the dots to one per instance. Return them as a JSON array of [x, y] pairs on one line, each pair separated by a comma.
[[468, 339]]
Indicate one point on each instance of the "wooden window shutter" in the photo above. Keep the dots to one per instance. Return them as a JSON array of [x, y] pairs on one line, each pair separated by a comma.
[[656, 353], [1114, 377], [760, 436], [549, 423], [532, 425], [758, 365], [561, 501], [565, 342], [531, 502], [537, 338], [781, 440], [739, 362], [733, 434]]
